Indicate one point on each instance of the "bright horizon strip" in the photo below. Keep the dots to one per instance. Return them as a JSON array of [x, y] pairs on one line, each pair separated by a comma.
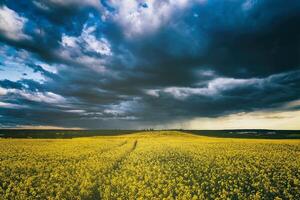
[[288, 120]]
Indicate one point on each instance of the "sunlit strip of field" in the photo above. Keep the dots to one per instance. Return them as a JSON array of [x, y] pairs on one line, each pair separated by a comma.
[[149, 165]]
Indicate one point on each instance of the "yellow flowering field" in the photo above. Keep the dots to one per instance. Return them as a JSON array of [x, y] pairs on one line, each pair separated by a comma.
[[149, 165]]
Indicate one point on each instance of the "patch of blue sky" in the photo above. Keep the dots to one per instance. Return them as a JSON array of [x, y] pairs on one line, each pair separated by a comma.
[[144, 5], [13, 65], [16, 71], [108, 6]]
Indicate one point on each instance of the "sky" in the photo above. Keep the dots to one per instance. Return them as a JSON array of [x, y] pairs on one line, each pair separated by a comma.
[[131, 64]]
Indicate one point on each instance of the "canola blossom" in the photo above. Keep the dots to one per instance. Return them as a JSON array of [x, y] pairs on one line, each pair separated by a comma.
[[149, 165]]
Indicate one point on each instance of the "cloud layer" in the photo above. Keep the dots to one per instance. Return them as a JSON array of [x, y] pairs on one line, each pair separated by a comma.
[[134, 64]]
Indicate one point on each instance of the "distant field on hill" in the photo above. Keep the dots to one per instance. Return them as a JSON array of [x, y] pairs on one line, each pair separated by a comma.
[[150, 165], [19, 133], [251, 133]]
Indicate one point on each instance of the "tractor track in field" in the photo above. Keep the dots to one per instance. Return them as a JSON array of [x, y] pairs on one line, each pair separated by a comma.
[[118, 163], [84, 157], [115, 147], [115, 167]]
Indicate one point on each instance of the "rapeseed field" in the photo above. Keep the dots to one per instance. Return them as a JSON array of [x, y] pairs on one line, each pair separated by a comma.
[[149, 165]]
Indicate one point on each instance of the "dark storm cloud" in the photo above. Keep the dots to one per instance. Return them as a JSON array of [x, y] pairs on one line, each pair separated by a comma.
[[256, 42], [234, 95], [122, 66], [10, 84]]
